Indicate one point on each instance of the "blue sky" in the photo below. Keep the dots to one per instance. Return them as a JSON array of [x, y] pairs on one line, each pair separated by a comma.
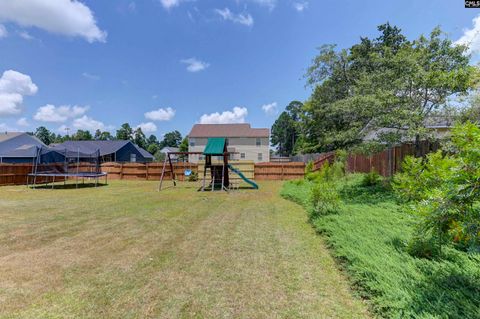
[[167, 64]]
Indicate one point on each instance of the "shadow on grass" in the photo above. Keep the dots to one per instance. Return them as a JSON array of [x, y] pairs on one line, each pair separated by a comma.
[[449, 290], [369, 195], [67, 186]]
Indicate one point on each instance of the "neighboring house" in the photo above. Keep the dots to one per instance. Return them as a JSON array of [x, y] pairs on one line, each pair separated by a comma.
[[18, 147], [168, 149], [111, 151], [439, 127], [249, 144]]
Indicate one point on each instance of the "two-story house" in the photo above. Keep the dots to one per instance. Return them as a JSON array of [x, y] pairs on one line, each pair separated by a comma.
[[250, 144]]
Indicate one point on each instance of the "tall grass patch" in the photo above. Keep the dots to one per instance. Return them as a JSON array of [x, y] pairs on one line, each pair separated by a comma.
[[369, 235]]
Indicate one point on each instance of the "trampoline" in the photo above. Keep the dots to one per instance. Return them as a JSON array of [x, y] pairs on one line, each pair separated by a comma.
[[53, 165]]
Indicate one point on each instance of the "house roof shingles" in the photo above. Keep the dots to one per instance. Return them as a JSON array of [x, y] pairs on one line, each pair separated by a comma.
[[105, 147], [8, 135], [227, 130]]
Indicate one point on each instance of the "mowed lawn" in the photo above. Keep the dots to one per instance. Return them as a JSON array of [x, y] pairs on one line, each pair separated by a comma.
[[127, 251]]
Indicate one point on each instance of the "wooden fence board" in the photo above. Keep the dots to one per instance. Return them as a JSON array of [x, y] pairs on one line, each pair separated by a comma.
[[16, 174]]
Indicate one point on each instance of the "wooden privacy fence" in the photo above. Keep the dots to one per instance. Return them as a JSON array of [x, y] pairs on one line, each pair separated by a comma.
[[16, 174], [279, 171], [246, 167], [386, 163], [147, 171], [322, 159]]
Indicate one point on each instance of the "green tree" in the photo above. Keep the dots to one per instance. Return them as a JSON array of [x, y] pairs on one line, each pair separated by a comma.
[[387, 87], [171, 139], [106, 136], [184, 145], [44, 135], [102, 136], [125, 133], [82, 135], [443, 192], [139, 138], [153, 146], [284, 134]]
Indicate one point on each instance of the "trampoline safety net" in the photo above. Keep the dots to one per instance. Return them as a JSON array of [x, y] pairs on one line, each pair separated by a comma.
[[58, 164]]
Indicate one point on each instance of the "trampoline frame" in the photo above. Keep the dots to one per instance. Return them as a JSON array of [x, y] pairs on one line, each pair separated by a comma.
[[95, 176], [89, 175]]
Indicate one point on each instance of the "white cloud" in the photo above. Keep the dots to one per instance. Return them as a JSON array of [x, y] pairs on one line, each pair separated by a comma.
[[87, 123], [160, 114], [168, 4], [3, 31], [270, 4], [67, 17], [300, 6], [270, 109], [25, 35], [471, 37], [60, 114], [241, 18], [237, 115], [23, 122], [5, 128], [13, 87], [132, 6], [194, 65], [91, 76], [148, 127], [63, 129]]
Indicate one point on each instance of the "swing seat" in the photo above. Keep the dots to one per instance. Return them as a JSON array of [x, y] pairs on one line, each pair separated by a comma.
[[187, 172]]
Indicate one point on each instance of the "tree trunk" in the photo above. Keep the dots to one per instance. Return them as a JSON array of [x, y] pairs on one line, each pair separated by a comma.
[[418, 151]]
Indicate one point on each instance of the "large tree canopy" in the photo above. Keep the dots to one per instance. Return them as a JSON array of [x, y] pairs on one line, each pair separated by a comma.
[[387, 86], [171, 139]]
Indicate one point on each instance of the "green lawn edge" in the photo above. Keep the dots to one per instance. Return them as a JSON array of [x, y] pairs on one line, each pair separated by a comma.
[[368, 237]]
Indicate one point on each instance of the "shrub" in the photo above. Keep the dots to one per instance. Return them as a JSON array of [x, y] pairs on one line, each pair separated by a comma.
[[324, 199], [309, 168], [341, 156], [371, 179], [193, 177], [443, 191]]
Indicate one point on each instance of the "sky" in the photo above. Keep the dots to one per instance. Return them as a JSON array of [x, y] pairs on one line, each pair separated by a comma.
[[165, 65]]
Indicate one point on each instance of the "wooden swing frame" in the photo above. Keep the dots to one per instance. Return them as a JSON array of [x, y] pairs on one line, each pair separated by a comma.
[[208, 164]]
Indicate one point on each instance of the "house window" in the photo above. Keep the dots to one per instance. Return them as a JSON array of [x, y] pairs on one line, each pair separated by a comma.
[[227, 141], [192, 142], [201, 158], [242, 155], [260, 156], [258, 142], [133, 158]]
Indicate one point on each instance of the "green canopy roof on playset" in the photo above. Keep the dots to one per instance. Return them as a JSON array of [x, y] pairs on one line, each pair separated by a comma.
[[215, 146]]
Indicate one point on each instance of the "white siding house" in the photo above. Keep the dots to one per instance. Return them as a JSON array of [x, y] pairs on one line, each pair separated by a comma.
[[249, 144]]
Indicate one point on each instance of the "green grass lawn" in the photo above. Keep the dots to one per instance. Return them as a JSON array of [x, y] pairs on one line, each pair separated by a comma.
[[369, 237], [127, 251]]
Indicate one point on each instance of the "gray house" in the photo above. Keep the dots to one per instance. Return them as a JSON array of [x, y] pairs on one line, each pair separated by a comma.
[[111, 151], [18, 147]]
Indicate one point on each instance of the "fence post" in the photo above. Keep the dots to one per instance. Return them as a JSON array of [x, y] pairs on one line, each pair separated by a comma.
[[146, 171], [121, 171]]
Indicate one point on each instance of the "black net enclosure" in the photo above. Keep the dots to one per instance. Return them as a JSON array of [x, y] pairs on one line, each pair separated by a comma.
[[56, 164]]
